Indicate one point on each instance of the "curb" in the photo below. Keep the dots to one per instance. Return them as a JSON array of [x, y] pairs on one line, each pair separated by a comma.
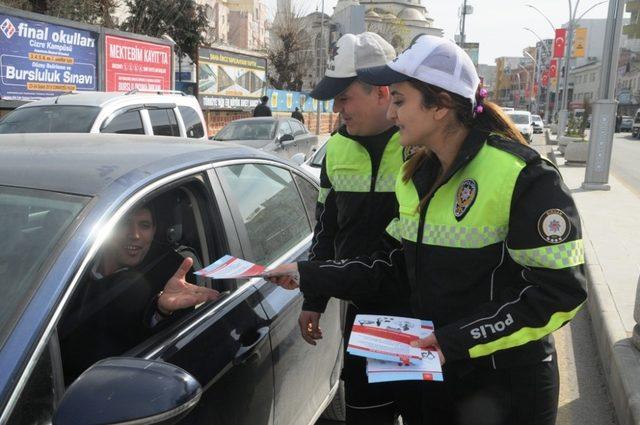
[[619, 358]]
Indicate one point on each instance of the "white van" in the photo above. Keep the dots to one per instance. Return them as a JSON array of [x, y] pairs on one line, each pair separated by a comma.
[[523, 122], [165, 113]]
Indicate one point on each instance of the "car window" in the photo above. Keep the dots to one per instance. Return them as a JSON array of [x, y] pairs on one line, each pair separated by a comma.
[[164, 122], [31, 223], [309, 195], [270, 207], [284, 128], [520, 118], [37, 400], [129, 122], [247, 130], [114, 306], [297, 127], [50, 119], [192, 122]]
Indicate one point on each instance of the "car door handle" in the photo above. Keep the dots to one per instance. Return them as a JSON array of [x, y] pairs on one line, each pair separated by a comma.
[[249, 352]]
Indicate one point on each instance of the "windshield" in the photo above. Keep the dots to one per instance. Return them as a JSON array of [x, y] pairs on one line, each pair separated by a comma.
[[520, 118], [247, 130], [318, 157], [31, 222], [536, 118], [50, 119]]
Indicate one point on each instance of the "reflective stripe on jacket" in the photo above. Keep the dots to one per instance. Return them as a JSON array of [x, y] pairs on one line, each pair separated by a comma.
[[495, 257]]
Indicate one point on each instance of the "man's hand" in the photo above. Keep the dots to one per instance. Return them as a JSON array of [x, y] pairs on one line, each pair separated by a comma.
[[285, 275], [431, 343], [178, 293], [309, 322]]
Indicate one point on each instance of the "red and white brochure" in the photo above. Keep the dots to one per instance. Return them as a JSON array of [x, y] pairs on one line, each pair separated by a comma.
[[387, 337], [229, 267]]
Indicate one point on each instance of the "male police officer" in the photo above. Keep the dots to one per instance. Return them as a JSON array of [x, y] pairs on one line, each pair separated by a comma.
[[355, 204]]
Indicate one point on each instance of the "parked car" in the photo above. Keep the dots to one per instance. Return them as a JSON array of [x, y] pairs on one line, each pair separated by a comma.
[[163, 113], [524, 123], [313, 165], [635, 128], [538, 124], [626, 125], [237, 360], [284, 137]]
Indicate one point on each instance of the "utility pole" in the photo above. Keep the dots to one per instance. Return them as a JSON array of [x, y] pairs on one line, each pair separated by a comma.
[[464, 16], [596, 176], [322, 63]]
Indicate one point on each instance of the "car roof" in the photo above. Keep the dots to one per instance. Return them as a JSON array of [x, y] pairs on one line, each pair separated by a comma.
[[101, 99], [517, 112], [257, 119], [88, 164]]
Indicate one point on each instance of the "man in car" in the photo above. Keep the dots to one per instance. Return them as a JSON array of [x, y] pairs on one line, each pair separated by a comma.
[[131, 292], [262, 110], [356, 202]]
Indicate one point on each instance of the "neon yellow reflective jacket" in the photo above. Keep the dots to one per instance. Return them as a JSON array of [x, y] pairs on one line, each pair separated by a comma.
[[495, 258]]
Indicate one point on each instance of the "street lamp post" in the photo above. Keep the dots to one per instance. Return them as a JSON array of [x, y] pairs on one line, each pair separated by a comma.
[[573, 22], [528, 80], [544, 61], [534, 75], [322, 64]]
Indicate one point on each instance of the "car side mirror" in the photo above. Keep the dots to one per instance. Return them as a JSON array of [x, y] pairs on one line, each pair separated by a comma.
[[298, 158], [286, 138], [121, 390]]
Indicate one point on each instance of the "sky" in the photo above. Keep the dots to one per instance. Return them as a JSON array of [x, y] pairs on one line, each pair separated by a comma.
[[496, 24]]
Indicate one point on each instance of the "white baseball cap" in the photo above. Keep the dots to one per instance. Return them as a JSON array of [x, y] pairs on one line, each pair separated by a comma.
[[348, 54], [433, 60]]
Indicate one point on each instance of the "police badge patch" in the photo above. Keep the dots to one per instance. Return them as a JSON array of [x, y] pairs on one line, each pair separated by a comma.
[[465, 197], [554, 226]]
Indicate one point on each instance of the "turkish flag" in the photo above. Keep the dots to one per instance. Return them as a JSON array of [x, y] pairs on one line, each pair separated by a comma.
[[559, 43], [545, 78], [553, 68]]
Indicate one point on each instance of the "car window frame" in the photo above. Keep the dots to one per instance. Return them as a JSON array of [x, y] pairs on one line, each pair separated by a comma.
[[107, 224], [119, 112], [183, 125], [172, 108]]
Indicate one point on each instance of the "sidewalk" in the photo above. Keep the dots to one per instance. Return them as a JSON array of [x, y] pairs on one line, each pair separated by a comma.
[[611, 233]]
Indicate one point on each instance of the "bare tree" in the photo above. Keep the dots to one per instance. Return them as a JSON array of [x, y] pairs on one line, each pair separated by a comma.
[[96, 12], [289, 52]]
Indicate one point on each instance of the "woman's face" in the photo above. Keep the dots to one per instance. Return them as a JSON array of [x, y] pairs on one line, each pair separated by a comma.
[[414, 121]]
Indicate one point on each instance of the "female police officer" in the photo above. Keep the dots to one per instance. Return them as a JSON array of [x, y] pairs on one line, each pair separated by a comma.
[[488, 236]]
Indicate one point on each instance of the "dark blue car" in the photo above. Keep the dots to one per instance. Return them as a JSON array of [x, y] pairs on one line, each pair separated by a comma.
[[237, 360]]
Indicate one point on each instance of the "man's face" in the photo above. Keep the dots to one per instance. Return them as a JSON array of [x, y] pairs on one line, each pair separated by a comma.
[[357, 105], [132, 238]]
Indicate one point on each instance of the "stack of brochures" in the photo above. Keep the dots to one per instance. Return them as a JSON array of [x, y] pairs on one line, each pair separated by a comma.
[[385, 342]]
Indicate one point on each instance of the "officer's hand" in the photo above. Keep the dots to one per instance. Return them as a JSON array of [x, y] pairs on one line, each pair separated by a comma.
[[285, 275], [309, 322], [431, 343], [178, 293]]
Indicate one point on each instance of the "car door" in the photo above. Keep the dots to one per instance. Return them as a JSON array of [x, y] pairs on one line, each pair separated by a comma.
[[275, 227], [223, 344], [305, 141]]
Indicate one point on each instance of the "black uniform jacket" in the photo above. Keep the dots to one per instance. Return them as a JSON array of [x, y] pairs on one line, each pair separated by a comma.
[[351, 224], [485, 306]]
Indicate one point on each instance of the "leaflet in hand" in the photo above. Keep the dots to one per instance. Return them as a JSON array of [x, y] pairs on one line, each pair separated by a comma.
[[426, 369], [229, 267], [387, 338]]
